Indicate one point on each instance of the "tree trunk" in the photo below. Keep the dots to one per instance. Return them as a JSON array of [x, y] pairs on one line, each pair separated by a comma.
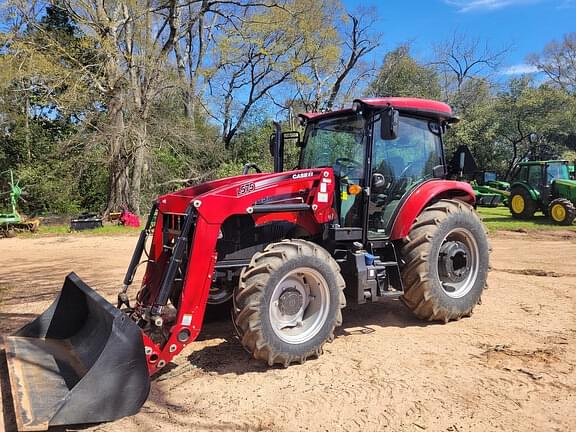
[[118, 180], [138, 167], [27, 126]]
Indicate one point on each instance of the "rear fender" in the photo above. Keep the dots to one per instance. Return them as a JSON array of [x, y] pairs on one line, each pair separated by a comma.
[[422, 197]]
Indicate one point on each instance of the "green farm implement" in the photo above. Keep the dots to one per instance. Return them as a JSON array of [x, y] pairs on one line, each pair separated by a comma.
[[489, 191], [12, 222]]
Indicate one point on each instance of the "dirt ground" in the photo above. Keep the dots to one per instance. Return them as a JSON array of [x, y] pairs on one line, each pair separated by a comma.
[[511, 366]]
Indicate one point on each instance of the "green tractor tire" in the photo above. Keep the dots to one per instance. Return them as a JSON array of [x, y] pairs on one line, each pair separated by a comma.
[[562, 211], [521, 204]]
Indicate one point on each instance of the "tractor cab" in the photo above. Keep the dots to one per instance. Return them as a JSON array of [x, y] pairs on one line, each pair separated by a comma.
[[540, 174], [380, 150]]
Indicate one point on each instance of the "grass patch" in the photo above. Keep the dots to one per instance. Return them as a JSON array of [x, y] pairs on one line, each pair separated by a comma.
[[495, 219], [58, 230], [499, 218]]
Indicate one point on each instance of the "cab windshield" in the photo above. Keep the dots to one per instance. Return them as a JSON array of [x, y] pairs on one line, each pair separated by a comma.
[[557, 171], [336, 142]]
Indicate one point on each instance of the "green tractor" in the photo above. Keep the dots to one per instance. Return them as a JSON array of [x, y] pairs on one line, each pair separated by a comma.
[[544, 186]]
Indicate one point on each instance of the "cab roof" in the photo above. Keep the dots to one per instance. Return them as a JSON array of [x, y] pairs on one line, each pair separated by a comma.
[[526, 163], [424, 107]]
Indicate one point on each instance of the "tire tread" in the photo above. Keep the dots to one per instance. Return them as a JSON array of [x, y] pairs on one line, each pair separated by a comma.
[[251, 289], [415, 251]]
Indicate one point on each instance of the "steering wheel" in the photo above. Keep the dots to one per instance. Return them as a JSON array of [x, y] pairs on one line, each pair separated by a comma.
[[348, 165], [400, 182]]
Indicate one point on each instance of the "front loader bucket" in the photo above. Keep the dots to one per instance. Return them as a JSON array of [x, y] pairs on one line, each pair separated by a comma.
[[81, 361]]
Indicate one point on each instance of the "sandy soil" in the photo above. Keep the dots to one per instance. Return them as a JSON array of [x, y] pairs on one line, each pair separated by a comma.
[[509, 367]]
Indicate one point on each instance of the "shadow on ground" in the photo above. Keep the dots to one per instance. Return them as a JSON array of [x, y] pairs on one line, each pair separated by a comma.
[[229, 357], [223, 353]]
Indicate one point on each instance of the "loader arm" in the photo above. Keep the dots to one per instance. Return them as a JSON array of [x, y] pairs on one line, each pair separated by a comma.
[[188, 224]]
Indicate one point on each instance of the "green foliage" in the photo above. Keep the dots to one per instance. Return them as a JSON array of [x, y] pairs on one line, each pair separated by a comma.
[[401, 75], [496, 127], [49, 188], [251, 145]]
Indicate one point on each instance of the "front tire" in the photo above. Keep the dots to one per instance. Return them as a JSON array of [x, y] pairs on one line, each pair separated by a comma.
[[445, 262], [562, 211], [521, 204], [289, 302]]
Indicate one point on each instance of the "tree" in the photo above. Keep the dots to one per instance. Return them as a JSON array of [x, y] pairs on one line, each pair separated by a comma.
[[264, 52], [462, 59], [558, 62], [130, 70], [128, 73], [41, 99], [401, 75], [525, 109], [337, 73]]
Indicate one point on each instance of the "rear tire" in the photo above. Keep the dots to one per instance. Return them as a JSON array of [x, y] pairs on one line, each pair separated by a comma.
[[562, 211], [445, 262], [521, 204], [289, 302]]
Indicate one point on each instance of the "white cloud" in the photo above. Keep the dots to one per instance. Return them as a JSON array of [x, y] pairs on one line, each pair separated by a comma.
[[519, 69], [471, 5]]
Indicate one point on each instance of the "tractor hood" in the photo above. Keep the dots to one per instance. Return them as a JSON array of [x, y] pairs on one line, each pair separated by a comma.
[[202, 188], [567, 183], [297, 190]]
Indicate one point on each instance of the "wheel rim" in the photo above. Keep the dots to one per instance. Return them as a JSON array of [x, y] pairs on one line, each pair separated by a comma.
[[518, 204], [299, 305], [458, 263], [558, 212]]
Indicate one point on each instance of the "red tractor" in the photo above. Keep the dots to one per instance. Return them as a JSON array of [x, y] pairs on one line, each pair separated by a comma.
[[366, 216]]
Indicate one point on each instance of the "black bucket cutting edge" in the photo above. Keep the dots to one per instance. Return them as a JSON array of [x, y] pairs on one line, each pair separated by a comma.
[[81, 361]]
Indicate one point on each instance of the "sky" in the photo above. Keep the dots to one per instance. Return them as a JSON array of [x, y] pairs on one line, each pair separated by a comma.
[[525, 26]]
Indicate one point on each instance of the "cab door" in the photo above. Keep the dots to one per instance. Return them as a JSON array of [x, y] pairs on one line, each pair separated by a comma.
[[397, 167]]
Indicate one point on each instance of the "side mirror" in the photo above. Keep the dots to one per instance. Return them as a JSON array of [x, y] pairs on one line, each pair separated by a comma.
[[292, 136], [389, 121], [285, 136]]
